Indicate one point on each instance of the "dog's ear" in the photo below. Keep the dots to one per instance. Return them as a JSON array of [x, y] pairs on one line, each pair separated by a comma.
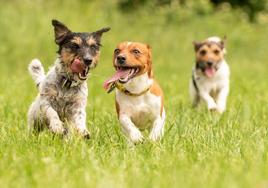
[[197, 45], [60, 31], [98, 34], [223, 42], [149, 61]]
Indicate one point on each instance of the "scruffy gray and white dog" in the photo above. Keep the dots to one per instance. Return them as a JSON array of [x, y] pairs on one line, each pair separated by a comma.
[[63, 90]]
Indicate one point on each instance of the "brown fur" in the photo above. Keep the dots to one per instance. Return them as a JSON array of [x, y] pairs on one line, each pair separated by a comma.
[[91, 41], [209, 52], [77, 40], [67, 58], [156, 90]]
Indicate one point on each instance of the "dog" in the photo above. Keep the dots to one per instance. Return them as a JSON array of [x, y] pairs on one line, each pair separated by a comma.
[[63, 90], [210, 76], [139, 99]]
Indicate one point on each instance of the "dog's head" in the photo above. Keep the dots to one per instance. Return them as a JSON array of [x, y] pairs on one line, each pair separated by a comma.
[[79, 51], [209, 54], [132, 59]]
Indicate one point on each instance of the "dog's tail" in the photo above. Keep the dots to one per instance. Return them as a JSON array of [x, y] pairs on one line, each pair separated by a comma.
[[37, 72]]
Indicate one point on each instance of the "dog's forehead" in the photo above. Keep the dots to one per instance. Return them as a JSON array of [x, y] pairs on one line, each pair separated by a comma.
[[80, 38], [209, 45], [131, 45]]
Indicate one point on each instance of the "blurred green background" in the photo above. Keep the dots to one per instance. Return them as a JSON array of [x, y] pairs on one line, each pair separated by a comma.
[[199, 149]]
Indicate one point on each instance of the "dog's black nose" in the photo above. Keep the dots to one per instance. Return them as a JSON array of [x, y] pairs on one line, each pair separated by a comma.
[[87, 61], [209, 63], [121, 59]]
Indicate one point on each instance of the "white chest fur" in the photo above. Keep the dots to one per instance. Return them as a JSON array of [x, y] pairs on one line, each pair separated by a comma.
[[142, 110], [220, 80]]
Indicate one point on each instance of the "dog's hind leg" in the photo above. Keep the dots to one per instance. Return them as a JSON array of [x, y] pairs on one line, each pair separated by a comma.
[[35, 123], [195, 98]]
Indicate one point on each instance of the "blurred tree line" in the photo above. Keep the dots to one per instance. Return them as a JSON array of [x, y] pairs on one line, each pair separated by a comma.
[[250, 7]]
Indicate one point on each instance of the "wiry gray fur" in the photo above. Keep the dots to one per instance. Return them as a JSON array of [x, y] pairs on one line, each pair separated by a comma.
[[56, 104]]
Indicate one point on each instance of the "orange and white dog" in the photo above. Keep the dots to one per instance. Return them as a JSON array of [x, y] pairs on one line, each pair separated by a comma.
[[210, 76], [139, 98]]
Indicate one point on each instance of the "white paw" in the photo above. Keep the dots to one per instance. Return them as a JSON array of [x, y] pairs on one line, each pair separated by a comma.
[[155, 135], [212, 106], [135, 136], [220, 109], [57, 127], [84, 133]]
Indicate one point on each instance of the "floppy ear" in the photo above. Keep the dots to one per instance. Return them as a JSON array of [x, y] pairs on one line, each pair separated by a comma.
[[149, 61], [60, 31], [98, 34], [197, 45]]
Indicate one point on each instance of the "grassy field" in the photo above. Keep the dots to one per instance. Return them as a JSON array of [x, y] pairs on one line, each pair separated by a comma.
[[199, 149]]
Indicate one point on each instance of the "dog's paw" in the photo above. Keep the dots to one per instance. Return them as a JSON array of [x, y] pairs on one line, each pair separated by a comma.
[[220, 110], [212, 107], [85, 134], [136, 137], [58, 128], [155, 135]]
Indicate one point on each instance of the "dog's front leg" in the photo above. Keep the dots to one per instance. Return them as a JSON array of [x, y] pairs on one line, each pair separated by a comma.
[[222, 99], [157, 130], [129, 129], [78, 120], [55, 123], [209, 100]]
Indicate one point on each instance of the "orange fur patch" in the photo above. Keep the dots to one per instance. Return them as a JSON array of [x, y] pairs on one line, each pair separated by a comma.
[[156, 90]]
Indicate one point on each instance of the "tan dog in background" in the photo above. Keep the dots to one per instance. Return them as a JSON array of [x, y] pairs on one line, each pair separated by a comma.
[[139, 98], [210, 76]]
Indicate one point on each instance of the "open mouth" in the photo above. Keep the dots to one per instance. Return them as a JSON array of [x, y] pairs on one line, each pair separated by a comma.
[[123, 75], [80, 69], [83, 75], [126, 73], [210, 71]]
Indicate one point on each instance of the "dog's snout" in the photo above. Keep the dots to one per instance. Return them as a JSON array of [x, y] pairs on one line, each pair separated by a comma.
[[209, 63], [87, 61], [121, 59]]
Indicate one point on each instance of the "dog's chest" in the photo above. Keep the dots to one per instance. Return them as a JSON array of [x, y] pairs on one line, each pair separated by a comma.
[[63, 99], [142, 110]]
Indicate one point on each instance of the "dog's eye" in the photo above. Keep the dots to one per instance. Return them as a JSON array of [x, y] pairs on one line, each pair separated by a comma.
[[203, 52], [94, 47], [216, 52], [136, 52], [73, 45], [116, 51]]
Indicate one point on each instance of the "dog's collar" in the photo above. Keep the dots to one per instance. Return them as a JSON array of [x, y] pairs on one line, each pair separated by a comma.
[[121, 88], [67, 82]]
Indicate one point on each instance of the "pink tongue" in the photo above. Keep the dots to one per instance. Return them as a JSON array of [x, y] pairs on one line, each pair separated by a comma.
[[209, 72], [119, 74], [77, 66]]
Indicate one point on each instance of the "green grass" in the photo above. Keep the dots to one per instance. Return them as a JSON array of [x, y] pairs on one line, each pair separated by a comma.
[[199, 149]]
